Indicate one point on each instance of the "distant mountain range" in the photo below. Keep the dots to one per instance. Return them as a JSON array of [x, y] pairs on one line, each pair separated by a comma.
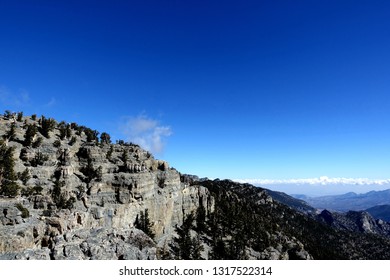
[[348, 201]]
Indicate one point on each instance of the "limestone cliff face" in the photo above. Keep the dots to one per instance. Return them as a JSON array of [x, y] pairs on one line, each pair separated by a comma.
[[82, 196]]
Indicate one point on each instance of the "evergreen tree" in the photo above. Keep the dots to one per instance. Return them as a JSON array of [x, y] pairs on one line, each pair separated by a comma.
[[201, 218], [8, 178], [47, 125], [62, 129], [11, 133], [125, 157], [20, 117], [105, 138], [37, 142], [68, 131], [109, 153], [25, 176], [143, 223], [89, 171], [31, 131], [186, 247], [92, 135], [59, 197]]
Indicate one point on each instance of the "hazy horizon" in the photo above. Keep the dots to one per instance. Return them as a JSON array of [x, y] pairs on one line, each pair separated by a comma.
[[321, 186]]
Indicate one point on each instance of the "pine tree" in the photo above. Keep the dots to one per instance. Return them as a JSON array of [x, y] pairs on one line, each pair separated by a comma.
[[20, 117], [11, 133], [143, 223], [186, 247], [47, 125], [105, 138], [62, 129], [31, 131], [8, 178], [201, 218]]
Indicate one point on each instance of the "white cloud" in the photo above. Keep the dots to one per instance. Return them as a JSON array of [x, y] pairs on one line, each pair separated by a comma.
[[323, 180], [321, 186], [146, 132]]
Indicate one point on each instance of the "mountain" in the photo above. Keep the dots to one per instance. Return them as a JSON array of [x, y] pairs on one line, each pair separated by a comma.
[[66, 193], [350, 201], [296, 203], [380, 212], [355, 221]]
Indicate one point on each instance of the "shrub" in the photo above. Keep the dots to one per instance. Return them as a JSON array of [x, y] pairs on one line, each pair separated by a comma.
[[57, 144], [24, 176], [37, 143], [39, 159], [25, 212], [11, 133], [72, 140], [7, 114], [109, 153], [47, 213]]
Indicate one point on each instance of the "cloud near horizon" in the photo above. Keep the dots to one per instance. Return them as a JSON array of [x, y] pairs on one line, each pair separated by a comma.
[[323, 180], [146, 132]]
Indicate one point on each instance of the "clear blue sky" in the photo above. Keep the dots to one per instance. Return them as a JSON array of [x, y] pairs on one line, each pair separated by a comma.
[[227, 89]]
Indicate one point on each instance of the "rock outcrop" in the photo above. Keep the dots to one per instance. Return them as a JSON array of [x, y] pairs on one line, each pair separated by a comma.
[[103, 188], [65, 194]]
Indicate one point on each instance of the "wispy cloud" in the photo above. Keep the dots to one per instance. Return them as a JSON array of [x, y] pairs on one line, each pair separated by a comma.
[[146, 132], [18, 99], [323, 180], [51, 102]]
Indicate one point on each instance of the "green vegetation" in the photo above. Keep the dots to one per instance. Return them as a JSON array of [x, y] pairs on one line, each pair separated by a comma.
[[20, 117], [24, 176], [92, 135], [72, 140], [37, 143], [59, 197], [65, 130], [125, 156], [105, 138], [8, 178], [47, 125], [143, 223], [11, 133], [109, 153], [31, 131], [28, 191], [21, 208], [39, 159], [90, 172], [185, 246], [57, 143]]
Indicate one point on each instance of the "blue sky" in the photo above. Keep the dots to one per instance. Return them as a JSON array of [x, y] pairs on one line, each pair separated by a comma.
[[223, 89]]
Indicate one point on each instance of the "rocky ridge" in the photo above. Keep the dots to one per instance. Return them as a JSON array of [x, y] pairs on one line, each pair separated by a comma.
[[65, 193], [108, 186]]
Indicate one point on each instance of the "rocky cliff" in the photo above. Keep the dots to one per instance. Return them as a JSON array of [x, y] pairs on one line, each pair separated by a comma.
[[67, 193], [83, 195]]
